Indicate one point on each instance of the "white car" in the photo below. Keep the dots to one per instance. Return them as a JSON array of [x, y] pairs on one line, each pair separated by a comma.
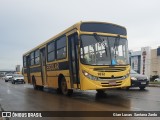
[[16, 78], [8, 77], [157, 80]]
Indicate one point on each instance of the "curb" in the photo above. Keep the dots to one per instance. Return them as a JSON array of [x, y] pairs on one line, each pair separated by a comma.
[[153, 85]]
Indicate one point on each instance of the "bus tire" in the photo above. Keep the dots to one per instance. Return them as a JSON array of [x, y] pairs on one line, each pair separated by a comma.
[[41, 88], [13, 82], [127, 88], [34, 83], [58, 90], [64, 89], [142, 88]]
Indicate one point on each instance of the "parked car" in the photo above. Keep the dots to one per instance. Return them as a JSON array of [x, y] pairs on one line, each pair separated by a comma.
[[157, 80], [8, 77], [138, 80], [17, 78]]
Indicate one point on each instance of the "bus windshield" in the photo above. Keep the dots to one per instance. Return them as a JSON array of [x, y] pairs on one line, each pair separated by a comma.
[[106, 51]]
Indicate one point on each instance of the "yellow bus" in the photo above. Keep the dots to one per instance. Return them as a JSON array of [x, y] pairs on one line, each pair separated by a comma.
[[86, 56]]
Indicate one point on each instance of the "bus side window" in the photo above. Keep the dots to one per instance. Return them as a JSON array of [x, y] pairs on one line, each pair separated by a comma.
[[61, 48]]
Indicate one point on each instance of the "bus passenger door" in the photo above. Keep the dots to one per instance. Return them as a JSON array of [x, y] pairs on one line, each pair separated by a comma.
[[73, 59], [43, 65], [28, 68]]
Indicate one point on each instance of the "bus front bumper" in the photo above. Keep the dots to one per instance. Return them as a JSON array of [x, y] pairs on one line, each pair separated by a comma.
[[94, 85]]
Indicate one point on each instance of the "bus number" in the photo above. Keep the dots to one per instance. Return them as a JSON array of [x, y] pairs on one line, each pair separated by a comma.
[[101, 74]]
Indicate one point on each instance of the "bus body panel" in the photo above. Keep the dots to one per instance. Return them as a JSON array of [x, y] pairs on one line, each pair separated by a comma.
[[52, 77], [88, 84]]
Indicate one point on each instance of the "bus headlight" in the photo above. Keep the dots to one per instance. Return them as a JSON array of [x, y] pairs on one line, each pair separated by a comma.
[[127, 75], [86, 74], [133, 78]]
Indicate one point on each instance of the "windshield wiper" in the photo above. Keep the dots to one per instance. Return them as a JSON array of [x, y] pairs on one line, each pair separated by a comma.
[[105, 45], [116, 44], [101, 41], [97, 37]]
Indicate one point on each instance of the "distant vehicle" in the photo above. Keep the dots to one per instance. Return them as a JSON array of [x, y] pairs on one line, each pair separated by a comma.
[[157, 80], [138, 80], [2, 74], [16, 78], [8, 77]]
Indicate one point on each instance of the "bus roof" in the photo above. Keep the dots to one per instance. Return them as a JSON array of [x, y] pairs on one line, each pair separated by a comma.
[[75, 26]]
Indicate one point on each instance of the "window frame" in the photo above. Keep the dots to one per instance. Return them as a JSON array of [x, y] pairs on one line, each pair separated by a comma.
[[24, 61], [55, 41], [48, 52], [36, 57], [57, 49], [32, 58]]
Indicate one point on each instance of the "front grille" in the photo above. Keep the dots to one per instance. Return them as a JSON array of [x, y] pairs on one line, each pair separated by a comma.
[[19, 79], [142, 79], [110, 69], [107, 84], [110, 77]]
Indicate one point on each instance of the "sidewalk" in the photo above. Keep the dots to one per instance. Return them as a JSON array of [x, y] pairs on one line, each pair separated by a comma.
[[153, 85]]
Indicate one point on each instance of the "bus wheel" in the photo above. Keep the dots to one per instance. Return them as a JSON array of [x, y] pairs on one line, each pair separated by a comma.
[[142, 88], [41, 88], [34, 83], [59, 91], [13, 82], [127, 88], [64, 88]]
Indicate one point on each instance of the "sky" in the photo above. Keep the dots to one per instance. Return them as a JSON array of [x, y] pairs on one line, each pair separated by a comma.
[[24, 24]]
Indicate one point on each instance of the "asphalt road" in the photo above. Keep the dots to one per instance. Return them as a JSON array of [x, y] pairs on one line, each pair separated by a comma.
[[22, 97]]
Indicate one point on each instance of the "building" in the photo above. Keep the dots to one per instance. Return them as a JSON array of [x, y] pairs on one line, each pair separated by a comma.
[[3, 72], [17, 68], [135, 60], [155, 62], [146, 61]]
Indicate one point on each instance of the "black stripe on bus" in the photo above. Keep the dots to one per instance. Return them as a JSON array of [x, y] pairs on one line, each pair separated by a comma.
[[103, 27], [32, 70], [35, 69], [50, 67], [57, 66]]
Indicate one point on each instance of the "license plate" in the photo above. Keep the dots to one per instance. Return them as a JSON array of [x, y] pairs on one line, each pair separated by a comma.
[[143, 83], [112, 83]]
